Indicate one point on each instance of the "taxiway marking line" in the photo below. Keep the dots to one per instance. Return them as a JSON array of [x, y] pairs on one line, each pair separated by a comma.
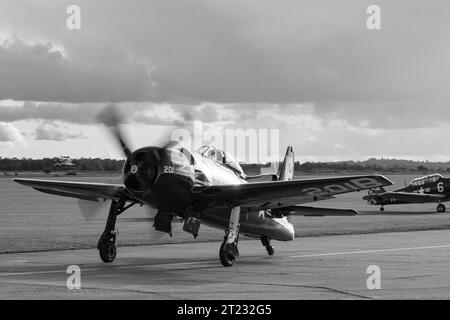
[[14, 261], [97, 269], [370, 251], [40, 272]]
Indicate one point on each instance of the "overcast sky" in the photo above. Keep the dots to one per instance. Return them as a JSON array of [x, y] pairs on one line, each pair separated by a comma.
[[311, 69]]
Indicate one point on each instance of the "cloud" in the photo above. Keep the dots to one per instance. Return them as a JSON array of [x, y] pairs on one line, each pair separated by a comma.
[[234, 52], [311, 69], [145, 113], [390, 115], [39, 72], [328, 139], [74, 113], [9, 135], [56, 132], [84, 113]]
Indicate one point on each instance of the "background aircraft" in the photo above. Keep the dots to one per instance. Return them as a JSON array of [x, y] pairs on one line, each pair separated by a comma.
[[63, 162], [431, 188], [206, 186]]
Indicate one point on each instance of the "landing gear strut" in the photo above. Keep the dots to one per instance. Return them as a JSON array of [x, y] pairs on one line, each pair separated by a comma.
[[229, 249], [266, 243], [107, 243], [440, 208]]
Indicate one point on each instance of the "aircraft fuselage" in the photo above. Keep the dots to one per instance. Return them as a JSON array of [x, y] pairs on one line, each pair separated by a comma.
[[170, 193], [429, 189]]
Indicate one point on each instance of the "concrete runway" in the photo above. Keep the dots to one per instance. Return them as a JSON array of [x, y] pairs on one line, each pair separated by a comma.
[[413, 265]]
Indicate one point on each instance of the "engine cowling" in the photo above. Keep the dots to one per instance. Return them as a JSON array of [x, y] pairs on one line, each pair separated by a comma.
[[140, 170], [160, 176]]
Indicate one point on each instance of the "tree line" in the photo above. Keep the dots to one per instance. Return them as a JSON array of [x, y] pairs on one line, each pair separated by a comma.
[[114, 165], [48, 164]]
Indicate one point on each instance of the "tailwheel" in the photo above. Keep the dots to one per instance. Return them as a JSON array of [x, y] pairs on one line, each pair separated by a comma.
[[440, 208], [266, 243], [381, 208]]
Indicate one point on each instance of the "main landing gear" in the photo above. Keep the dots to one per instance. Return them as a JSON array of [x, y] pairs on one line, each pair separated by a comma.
[[229, 249], [381, 208], [107, 246], [440, 208], [266, 243]]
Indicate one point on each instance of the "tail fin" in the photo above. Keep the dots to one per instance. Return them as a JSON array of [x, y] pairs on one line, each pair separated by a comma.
[[286, 171]]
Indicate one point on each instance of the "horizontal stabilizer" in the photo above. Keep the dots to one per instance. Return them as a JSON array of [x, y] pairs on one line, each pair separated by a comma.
[[264, 176], [320, 212]]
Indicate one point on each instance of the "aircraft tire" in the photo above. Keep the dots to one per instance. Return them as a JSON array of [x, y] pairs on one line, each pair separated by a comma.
[[440, 208], [381, 209], [225, 258], [108, 251]]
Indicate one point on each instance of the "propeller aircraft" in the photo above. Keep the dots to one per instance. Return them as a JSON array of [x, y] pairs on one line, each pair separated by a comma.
[[208, 187], [427, 189]]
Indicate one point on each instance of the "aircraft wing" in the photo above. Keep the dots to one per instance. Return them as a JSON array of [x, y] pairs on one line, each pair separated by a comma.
[[280, 194], [79, 190], [411, 197]]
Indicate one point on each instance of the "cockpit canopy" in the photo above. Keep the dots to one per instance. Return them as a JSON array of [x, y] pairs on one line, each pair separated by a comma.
[[221, 157], [425, 180]]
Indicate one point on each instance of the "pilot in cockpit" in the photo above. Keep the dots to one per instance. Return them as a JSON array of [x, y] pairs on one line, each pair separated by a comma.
[[221, 157]]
